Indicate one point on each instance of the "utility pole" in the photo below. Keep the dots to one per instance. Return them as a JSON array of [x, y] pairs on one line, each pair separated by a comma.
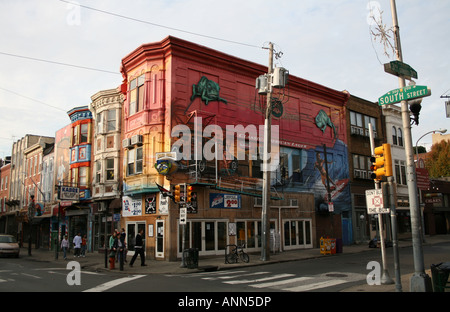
[[265, 220], [420, 281]]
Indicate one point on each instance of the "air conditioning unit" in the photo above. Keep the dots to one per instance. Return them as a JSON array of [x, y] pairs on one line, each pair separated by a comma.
[[126, 143], [279, 77], [136, 139]]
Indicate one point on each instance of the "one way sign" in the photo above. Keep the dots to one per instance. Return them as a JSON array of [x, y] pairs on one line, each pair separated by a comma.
[[183, 215], [375, 202]]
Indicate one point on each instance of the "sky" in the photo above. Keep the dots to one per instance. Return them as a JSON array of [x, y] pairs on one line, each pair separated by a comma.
[[328, 42]]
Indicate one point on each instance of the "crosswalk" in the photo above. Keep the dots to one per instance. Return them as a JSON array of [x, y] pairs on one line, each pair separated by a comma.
[[279, 281]]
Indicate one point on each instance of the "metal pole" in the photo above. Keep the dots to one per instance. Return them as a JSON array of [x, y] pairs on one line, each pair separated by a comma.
[[385, 277], [420, 281], [265, 222], [398, 282]]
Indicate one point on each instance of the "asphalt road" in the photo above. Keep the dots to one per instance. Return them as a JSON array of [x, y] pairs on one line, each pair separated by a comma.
[[327, 274]]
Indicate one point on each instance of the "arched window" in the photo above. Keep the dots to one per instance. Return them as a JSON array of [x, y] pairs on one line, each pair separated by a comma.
[[400, 137], [394, 135]]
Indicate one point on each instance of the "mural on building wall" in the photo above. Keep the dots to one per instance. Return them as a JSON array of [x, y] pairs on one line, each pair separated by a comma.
[[207, 90], [62, 155]]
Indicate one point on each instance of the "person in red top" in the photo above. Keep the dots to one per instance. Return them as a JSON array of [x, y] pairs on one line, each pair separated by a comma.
[[83, 246]]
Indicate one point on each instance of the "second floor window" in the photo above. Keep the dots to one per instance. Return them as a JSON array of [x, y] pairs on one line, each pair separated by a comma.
[[360, 124], [400, 172], [134, 161]]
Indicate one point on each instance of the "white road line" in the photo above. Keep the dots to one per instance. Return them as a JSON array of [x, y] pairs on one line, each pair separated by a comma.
[[112, 284], [282, 282], [232, 276], [38, 277], [259, 280], [316, 285]]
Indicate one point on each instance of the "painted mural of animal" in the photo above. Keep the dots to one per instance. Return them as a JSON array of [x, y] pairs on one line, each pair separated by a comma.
[[323, 120]]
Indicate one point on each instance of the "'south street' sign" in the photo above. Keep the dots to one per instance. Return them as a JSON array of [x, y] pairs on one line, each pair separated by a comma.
[[404, 94]]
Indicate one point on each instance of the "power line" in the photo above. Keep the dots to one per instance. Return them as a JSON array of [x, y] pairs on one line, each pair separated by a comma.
[[18, 94], [58, 63], [159, 25]]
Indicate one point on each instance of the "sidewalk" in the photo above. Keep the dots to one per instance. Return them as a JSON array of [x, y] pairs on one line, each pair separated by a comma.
[[95, 261]]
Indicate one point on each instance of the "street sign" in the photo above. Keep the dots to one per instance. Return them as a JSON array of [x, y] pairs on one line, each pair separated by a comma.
[[183, 215], [404, 94], [400, 69], [375, 202], [330, 207], [447, 108]]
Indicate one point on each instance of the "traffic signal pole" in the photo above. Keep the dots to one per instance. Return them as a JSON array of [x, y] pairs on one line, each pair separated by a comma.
[[420, 281], [385, 277]]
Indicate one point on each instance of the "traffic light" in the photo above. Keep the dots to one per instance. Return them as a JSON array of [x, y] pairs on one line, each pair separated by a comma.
[[381, 162], [188, 193], [177, 193]]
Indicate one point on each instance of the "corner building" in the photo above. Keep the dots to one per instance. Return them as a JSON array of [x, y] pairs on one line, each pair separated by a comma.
[[176, 85]]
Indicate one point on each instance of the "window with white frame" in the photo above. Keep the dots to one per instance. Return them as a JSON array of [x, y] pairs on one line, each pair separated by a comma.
[[134, 161], [400, 172], [360, 124], [109, 169], [111, 122]]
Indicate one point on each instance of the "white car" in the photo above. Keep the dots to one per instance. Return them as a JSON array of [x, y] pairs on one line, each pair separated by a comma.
[[9, 246]]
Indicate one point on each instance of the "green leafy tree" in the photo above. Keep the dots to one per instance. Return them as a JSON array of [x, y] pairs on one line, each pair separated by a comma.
[[438, 161]]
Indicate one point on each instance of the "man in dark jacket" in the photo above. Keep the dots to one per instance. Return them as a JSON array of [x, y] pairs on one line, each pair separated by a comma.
[[139, 249]]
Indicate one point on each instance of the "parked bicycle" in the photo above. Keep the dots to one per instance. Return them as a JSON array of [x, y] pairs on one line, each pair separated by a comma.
[[237, 252]]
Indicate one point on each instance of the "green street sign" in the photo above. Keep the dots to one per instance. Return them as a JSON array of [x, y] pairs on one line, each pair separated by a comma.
[[400, 69], [404, 94]]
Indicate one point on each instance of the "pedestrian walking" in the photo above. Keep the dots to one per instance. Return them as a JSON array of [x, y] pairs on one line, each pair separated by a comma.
[[65, 246], [83, 246], [112, 252], [77, 245], [139, 249], [123, 240]]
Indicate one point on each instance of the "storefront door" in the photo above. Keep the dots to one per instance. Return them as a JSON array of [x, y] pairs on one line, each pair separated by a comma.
[[159, 239], [132, 229]]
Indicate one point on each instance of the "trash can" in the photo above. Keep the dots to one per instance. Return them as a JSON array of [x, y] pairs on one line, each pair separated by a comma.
[[191, 258], [325, 246], [333, 245], [439, 275]]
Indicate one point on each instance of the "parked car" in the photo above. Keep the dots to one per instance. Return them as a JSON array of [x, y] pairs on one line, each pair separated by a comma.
[[9, 246]]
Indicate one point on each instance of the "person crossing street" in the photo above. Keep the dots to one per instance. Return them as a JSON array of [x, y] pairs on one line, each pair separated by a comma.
[[139, 249]]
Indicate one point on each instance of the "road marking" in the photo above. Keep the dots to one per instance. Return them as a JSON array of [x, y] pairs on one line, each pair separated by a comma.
[[111, 284], [38, 277], [229, 277], [259, 280], [282, 282], [316, 285]]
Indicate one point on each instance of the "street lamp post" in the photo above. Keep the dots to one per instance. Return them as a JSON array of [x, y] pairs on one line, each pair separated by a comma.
[[417, 142]]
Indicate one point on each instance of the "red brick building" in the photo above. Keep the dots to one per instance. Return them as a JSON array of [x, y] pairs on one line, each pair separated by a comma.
[[171, 83]]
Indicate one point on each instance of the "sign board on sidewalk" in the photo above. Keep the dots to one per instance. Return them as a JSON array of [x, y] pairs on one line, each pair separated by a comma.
[[375, 202], [404, 94]]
